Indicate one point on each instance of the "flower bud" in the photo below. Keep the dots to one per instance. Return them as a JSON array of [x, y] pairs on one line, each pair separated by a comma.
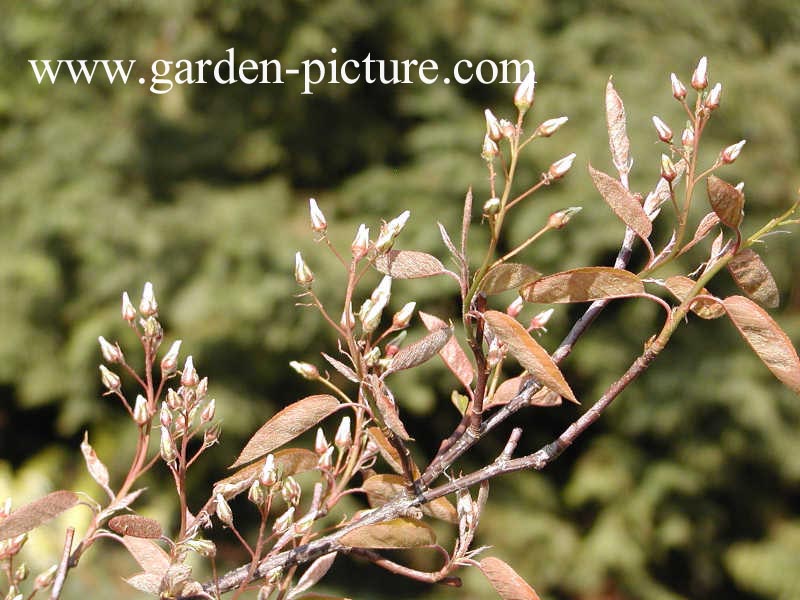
[[496, 353], [402, 317], [515, 307], [508, 128], [148, 305], [712, 100], [370, 315], [731, 153], [700, 75], [169, 364], [492, 126], [201, 389], [466, 512], [320, 443], [318, 222], [668, 171], [678, 89], [111, 352], [174, 401], [559, 168], [489, 149], [662, 129], [165, 416], [560, 218], [285, 521], [305, 523], [205, 548], [390, 231], [302, 274], [360, 244], [128, 310], [152, 330], [45, 579], [181, 424], [21, 573], [348, 319], [539, 321], [167, 447], [343, 439], [189, 377], [549, 127], [140, 411], [372, 357], [491, 207], [687, 137], [269, 474], [325, 461], [383, 292], [211, 435], [306, 370], [110, 380], [208, 412], [256, 494], [223, 510], [523, 97], [291, 490]]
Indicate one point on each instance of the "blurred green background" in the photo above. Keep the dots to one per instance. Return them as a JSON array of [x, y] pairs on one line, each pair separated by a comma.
[[687, 488]]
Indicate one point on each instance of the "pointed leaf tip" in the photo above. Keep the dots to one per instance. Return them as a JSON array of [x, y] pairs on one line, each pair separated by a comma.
[[505, 580]]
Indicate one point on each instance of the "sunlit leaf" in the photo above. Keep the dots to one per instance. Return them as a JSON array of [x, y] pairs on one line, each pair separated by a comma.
[[706, 224], [583, 285], [381, 489], [312, 575], [528, 352], [150, 556], [135, 526], [408, 264], [387, 407], [766, 338], [680, 286], [452, 354], [397, 533], [36, 513], [505, 580], [753, 278], [388, 451], [287, 425], [420, 351], [617, 135], [95, 466], [726, 200], [149, 583], [506, 391], [342, 368], [507, 276], [622, 202]]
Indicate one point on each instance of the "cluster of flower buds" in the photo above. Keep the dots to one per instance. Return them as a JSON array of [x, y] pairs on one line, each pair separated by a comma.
[[372, 308], [389, 232]]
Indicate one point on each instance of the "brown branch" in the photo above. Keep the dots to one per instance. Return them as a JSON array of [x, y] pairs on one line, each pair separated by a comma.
[[63, 566], [440, 576]]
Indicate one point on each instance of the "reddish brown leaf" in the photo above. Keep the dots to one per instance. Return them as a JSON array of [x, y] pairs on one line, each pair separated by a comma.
[[387, 407], [388, 452], [287, 425], [408, 264], [726, 200], [705, 226], [287, 462], [545, 397], [135, 526], [96, 468], [617, 135], [150, 556], [505, 580], [37, 513], [680, 286], [507, 276], [622, 202], [381, 489], [528, 352], [148, 583], [342, 368], [420, 351], [312, 575], [753, 278], [766, 338], [397, 533], [506, 391], [583, 285], [452, 354], [661, 192]]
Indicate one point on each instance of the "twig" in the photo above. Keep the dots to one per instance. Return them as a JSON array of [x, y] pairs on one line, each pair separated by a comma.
[[63, 566]]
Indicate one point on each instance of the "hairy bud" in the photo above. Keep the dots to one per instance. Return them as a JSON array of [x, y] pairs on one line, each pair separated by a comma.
[[491, 207], [318, 221], [489, 149], [343, 438], [169, 364], [325, 461], [302, 274], [713, 98], [560, 218], [700, 75], [348, 319], [360, 244], [148, 305], [128, 310], [492, 126], [165, 416], [223, 510], [110, 380], [731, 153], [678, 89], [320, 443], [189, 377], [662, 129], [390, 231], [549, 127], [111, 352], [402, 317], [523, 97], [559, 168], [668, 171], [140, 411], [687, 137], [174, 401], [167, 447], [306, 370]]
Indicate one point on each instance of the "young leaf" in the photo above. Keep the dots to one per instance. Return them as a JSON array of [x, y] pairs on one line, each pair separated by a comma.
[[287, 462], [387, 407], [505, 580], [135, 526], [753, 278], [506, 391], [397, 533], [507, 276], [452, 354], [583, 285], [148, 583], [96, 468], [342, 368], [528, 352], [150, 556], [37, 513], [419, 352], [617, 135], [381, 489], [387, 451], [287, 425], [726, 200], [449, 243], [622, 202], [766, 338], [706, 224], [408, 264], [312, 575], [465, 221], [680, 286], [545, 397]]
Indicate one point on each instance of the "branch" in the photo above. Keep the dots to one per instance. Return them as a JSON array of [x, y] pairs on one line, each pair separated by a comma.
[[63, 566]]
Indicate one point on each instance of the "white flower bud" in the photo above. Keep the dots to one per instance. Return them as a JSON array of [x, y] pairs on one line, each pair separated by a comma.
[[302, 274], [318, 222], [360, 244], [402, 317], [167, 447], [523, 97], [306, 370], [559, 168], [731, 153], [550, 126], [140, 411], [148, 305], [700, 75], [678, 89], [111, 352], [223, 510], [291, 491], [320, 443], [128, 310], [713, 98], [489, 149], [169, 364], [662, 129], [515, 307], [208, 412], [492, 126], [343, 438], [110, 380], [269, 474], [285, 521], [165, 416], [189, 377]]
